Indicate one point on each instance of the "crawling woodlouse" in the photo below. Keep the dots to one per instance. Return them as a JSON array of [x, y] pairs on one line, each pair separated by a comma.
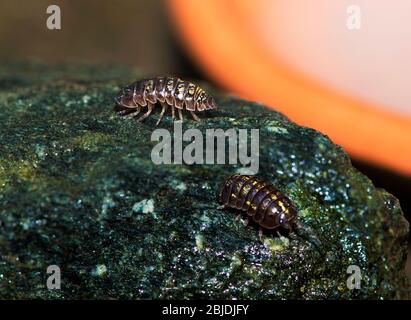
[[267, 206], [169, 92]]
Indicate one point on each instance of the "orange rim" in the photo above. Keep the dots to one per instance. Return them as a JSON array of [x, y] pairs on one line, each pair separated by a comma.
[[224, 48]]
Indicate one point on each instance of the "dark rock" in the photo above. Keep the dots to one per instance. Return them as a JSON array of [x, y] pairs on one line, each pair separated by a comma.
[[78, 189]]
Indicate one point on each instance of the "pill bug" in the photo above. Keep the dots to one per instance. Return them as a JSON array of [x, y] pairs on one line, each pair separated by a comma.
[[168, 92], [262, 202]]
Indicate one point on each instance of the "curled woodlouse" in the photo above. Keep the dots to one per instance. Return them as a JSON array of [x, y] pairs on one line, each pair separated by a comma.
[[267, 206], [169, 92]]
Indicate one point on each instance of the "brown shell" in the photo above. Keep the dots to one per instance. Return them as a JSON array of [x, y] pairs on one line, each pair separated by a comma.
[[175, 92], [264, 203]]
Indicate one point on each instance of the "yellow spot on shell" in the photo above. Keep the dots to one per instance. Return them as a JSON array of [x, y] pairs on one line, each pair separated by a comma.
[[281, 204]]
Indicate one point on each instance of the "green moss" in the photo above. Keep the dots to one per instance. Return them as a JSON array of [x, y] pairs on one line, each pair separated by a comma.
[[91, 141], [78, 189]]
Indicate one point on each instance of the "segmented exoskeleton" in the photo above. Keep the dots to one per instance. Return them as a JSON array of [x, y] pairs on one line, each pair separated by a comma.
[[169, 92], [267, 206]]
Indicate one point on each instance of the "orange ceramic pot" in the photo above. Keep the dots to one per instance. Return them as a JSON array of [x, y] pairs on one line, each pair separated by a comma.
[[222, 37]]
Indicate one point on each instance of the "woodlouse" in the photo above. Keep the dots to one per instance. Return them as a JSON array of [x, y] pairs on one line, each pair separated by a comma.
[[267, 205], [169, 92]]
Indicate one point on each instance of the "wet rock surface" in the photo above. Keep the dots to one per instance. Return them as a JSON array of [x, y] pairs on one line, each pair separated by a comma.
[[78, 189]]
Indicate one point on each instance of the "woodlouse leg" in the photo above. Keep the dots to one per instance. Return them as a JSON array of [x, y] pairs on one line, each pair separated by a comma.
[[150, 109], [122, 112], [245, 221], [196, 118], [131, 114], [260, 234], [173, 113], [180, 115], [161, 114], [125, 112]]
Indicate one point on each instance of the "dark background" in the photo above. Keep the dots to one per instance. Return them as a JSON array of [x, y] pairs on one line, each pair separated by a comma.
[[134, 32]]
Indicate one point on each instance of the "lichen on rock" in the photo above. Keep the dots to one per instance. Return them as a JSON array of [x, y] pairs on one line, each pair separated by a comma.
[[78, 189]]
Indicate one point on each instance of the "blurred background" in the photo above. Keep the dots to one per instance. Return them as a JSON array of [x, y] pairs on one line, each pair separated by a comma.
[[339, 67]]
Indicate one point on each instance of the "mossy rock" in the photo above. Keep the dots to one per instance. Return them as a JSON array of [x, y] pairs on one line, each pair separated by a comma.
[[78, 189]]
